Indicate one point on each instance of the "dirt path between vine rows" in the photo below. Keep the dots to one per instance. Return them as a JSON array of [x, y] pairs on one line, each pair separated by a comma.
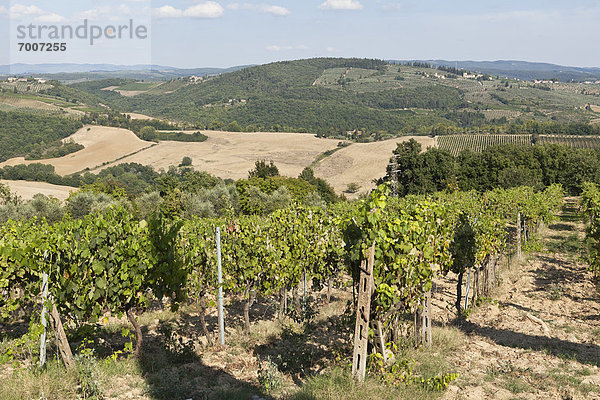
[[538, 337]]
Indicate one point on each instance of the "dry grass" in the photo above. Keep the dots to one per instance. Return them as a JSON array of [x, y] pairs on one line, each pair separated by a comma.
[[26, 190], [102, 145], [233, 154], [130, 93], [139, 116], [361, 163]]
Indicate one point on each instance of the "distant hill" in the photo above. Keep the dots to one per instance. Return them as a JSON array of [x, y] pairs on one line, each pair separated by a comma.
[[82, 72], [522, 69], [303, 95], [353, 98]]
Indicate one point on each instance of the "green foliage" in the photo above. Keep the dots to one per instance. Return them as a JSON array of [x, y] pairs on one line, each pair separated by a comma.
[[38, 173], [263, 170], [411, 241], [83, 203], [506, 166], [59, 149], [148, 133], [414, 172], [22, 133], [195, 137], [26, 347], [40, 206], [186, 162], [401, 372], [168, 275], [88, 373], [107, 261], [590, 205], [352, 188], [268, 375]]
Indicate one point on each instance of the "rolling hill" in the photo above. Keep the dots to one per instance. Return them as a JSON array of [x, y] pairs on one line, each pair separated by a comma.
[[374, 99], [523, 70]]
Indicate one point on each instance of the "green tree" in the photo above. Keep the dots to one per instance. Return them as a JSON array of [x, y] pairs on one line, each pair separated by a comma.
[[263, 170], [148, 133], [186, 162]]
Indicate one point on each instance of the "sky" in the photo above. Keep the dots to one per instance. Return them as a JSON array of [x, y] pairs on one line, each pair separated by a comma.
[[223, 33]]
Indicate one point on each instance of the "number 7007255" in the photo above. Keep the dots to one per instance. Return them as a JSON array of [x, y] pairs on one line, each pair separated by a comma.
[[43, 46]]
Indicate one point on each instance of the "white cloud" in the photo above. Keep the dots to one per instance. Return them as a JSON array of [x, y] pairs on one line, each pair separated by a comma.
[[341, 5], [275, 10], [3, 10], [19, 11], [209, 9], [263, 8], [50, 18], [98, 13], [167, 12], [286, 48]]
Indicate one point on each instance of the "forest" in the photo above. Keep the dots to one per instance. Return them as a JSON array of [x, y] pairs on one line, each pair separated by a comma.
[[23, 133]]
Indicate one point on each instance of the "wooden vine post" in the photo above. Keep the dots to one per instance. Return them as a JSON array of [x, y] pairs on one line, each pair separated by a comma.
[[423, 321], [363, 310], [61, 338], [519, 253]]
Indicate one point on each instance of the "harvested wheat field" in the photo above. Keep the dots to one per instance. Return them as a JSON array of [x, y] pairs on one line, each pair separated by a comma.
[[102, 145], [130, 93], [233, 154], [139, 116], [26, 190], [360, 163]]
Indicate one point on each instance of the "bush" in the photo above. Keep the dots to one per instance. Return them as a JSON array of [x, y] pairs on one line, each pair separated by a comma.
[[353, 187], [186, 162]]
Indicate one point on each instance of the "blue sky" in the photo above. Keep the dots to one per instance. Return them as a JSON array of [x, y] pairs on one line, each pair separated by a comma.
[[221, 33]]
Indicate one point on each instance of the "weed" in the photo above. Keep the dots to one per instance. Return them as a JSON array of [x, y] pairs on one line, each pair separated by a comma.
[[402, 372], [27, 347], [88, 373], [179, 350], [305, 314], [556, 291], [515, 385], [268, 375]]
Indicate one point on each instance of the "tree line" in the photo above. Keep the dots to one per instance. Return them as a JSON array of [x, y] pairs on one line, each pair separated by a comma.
[[413, 171]]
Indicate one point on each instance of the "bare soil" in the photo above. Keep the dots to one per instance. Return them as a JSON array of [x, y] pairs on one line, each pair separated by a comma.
[[536, 337], [506, 353]]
